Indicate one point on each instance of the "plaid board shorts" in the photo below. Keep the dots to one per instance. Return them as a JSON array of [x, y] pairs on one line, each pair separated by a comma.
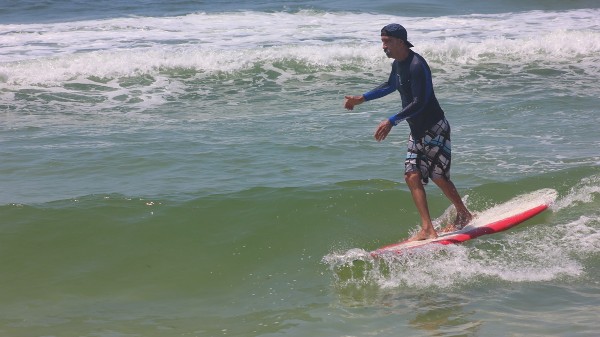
[[431, 154]]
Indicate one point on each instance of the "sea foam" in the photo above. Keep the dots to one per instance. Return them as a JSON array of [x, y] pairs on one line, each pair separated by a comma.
[[47, 54]]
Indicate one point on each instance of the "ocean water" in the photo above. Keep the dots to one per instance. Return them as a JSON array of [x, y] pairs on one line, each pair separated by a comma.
[[182, 168]]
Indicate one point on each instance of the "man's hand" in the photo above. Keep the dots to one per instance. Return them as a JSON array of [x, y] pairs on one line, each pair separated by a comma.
[[382, 130], [352, 101]]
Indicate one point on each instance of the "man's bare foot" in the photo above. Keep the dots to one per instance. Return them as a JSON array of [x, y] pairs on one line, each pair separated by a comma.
[[424, 235], [459, 223]]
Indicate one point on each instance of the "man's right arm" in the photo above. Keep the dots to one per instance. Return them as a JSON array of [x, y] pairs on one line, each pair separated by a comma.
[[382, 90], [385, 88]]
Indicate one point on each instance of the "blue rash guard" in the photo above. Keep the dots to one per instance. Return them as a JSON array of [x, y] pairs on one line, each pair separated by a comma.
[[420, 107]]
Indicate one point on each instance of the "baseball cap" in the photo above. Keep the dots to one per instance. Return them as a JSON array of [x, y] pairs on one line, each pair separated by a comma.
[[397, 31]]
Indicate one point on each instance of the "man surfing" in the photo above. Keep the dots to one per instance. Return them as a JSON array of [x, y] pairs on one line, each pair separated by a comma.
[[429, 154]]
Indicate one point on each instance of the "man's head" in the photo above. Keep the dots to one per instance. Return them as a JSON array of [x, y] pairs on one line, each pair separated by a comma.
[[395, 42], [397, 31]]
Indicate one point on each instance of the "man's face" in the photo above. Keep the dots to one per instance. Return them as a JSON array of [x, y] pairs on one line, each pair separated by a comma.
[[391, 46]]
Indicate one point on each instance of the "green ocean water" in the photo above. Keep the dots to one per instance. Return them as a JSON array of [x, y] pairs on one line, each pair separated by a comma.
[[250, 263], [161, 178]]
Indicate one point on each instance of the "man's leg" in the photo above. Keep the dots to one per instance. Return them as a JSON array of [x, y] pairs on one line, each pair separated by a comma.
[[463, 216], [413, 180]]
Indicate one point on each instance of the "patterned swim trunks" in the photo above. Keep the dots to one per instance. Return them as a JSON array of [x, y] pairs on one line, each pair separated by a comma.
[[431, 154]]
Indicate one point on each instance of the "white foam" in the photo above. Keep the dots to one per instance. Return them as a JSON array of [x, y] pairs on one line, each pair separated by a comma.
[[534, 255], [544, 252], [584, 192], [50, 53]]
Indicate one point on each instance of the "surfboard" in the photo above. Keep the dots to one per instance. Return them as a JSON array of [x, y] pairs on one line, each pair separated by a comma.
[[493, 220]]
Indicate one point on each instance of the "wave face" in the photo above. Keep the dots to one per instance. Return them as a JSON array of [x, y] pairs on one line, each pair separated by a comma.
[[145, 264]]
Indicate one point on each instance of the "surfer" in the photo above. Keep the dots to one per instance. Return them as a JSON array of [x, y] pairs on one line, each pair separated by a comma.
[[429, 154]]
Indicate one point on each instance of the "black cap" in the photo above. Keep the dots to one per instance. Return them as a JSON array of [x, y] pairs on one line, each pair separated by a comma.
[[397, 31]]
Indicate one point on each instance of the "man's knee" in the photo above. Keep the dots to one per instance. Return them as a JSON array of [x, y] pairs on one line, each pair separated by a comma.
[[412, 177]]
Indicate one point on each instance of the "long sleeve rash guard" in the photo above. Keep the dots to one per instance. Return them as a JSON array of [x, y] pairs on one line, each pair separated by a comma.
[[420, 107]]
